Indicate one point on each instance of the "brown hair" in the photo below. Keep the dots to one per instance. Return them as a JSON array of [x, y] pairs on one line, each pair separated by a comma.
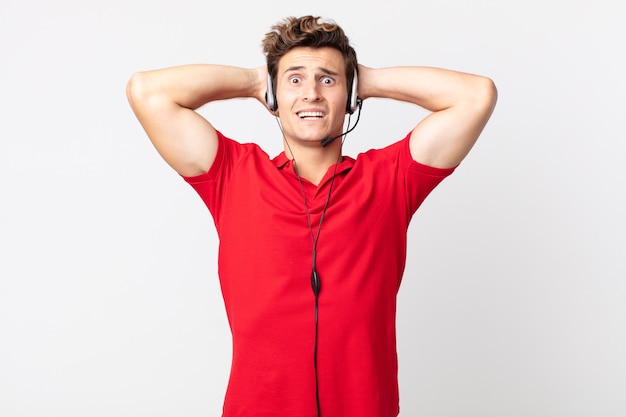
[[308, 31]]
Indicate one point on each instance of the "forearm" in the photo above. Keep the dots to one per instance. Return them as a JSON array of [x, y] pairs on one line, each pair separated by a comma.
[[191, 86], [434, 89]]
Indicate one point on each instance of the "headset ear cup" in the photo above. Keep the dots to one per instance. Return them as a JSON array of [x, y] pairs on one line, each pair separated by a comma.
[[270, 96], [352, 98]]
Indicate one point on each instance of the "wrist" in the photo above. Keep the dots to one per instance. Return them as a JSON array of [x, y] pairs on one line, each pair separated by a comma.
[[365, 82], [258, 82]]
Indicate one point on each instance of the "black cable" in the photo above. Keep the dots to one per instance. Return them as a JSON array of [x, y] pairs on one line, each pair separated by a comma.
[[316, 288], [316, 283]]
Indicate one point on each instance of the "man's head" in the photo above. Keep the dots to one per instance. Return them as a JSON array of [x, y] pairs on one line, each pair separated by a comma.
[[307, 31]]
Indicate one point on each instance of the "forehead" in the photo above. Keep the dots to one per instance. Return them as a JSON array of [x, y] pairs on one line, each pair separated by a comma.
[[326, 58]]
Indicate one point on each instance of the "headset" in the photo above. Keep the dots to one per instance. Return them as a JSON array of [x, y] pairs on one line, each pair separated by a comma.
[[351, 105]]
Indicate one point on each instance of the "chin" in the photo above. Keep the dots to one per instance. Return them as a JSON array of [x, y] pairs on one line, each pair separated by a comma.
[[315, 139], [312, 137]]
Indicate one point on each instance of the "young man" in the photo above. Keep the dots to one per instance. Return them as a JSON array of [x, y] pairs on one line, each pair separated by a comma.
[[312, 242]]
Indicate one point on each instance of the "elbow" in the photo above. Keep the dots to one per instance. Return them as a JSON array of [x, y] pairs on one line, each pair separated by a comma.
[[136, 89], [487, 93], [142, 89]]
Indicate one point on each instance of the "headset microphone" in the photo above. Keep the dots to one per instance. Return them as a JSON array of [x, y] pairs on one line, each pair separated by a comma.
[[328, 141]]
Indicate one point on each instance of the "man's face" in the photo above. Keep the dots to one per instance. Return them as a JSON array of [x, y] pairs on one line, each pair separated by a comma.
[[311, 93]]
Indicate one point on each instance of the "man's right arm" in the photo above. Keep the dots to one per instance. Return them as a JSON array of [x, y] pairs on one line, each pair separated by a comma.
[[165, 102]]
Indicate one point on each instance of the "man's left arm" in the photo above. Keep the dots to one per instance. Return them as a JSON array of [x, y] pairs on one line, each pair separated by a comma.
[[461, 105]]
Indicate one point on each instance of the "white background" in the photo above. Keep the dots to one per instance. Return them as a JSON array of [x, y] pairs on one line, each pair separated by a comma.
[[514, 298]]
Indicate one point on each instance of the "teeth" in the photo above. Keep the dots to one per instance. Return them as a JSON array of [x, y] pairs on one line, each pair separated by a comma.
[[304, 114]]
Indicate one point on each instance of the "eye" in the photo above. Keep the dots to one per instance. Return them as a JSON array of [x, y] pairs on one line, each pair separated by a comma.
[[294, 80], [327, 81]]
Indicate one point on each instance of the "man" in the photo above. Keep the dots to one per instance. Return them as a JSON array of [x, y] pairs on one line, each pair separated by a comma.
[[312, 242]]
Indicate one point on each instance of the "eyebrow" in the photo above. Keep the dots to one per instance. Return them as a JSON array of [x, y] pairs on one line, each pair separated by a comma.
[[299, 67]]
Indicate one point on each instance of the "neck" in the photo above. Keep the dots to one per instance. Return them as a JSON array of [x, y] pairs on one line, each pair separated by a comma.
[[312, 160]]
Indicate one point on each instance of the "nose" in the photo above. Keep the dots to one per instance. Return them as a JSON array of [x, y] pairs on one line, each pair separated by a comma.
[[311, 91]]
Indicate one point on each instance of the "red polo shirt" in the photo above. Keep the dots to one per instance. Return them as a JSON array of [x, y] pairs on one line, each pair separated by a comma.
[[265, 268]]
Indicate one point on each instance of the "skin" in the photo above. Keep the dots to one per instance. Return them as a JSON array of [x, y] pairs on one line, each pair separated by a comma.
[[311, 82], [460, 106], [165, 101]]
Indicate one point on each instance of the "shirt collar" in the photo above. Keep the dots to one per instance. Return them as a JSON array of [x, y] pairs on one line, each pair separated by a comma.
[[281, 161]]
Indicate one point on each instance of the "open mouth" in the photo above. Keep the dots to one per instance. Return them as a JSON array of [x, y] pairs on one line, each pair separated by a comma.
[[311, 115]]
